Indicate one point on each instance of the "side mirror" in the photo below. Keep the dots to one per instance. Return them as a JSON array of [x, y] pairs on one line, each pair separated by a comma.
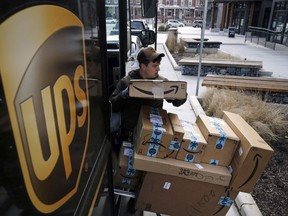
[[147, 37]]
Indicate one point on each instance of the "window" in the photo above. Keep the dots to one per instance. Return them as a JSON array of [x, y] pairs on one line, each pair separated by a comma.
[[281, 5], [182, 3]]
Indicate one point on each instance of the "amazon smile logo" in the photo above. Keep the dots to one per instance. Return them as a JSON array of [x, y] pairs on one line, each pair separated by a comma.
[[158, 89], [257, 158], [173, 89]]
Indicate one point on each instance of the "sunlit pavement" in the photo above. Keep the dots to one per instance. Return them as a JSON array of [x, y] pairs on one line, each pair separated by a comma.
[[274, 61]]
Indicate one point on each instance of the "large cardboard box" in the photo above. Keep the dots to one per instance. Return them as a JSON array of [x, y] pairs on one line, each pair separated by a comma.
[[153, 133], [178, 133], [227, 199], [193, 144], [158, 89], [194, 171], [126, 176], [221, 140], [251, 156], [173, 195]]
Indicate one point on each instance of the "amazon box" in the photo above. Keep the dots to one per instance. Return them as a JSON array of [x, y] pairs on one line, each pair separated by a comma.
[[158, 89], [126, 176], [221, 140], [153, 133], [178, 133], [193, 144], [171, 195], [193, 171], [227, 199], [251, 157]]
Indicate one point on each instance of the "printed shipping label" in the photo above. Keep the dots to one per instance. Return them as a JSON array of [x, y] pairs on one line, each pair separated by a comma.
[[167, 185]]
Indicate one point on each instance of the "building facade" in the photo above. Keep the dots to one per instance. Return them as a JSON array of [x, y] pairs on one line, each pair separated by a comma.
[[279, 20], [270, 15], [187, 10], [112, 9], [221, 14]]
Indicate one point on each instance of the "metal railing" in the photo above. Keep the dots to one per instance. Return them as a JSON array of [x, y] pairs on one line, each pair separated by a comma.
[[262, 36]]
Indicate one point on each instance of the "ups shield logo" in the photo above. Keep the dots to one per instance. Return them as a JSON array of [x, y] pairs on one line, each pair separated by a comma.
[[44, 80]]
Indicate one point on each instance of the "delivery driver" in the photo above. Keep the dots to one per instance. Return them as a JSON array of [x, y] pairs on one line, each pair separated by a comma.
[[129, 107]]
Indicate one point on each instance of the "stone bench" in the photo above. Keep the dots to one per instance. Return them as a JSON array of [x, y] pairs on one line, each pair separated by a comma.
[[272, 89], [220, 67], [192, 44], [199, 39]]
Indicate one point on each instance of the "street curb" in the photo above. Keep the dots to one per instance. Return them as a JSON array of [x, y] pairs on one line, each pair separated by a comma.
[[246, 205], [172, 60]]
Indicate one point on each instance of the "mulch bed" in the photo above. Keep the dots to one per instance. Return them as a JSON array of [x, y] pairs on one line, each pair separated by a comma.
[[271, 191]]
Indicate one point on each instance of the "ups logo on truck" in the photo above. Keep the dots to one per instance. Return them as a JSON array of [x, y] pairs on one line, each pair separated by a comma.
[[44, 79]]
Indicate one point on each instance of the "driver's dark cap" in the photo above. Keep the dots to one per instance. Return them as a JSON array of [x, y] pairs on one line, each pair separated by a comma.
[[149, 54]]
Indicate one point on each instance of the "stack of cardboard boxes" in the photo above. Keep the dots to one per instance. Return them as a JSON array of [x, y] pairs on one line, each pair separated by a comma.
[[195, 168], [126, 176]]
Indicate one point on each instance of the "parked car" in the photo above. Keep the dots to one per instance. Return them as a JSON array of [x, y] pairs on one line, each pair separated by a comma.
[[135, 47], [175, 23], [197, 23], [137, 27], [182, 21], [113, 47], [139, 24], [111, 20]]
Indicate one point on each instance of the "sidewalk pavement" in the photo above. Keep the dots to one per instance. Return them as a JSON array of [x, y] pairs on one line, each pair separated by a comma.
[[275, 61]]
